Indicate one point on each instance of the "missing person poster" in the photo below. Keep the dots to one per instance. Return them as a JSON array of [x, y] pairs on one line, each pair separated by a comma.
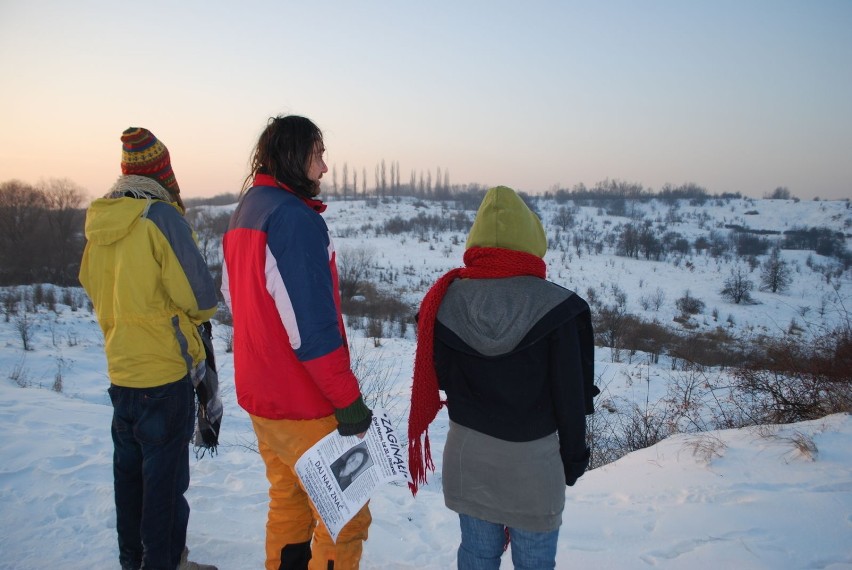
[[340, 473]]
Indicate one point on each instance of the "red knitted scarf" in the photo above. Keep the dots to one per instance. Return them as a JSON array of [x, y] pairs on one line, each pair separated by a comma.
[[480, 263]]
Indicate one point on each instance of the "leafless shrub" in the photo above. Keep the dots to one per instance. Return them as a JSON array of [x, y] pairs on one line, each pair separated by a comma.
[[50, 298], [653, 300], [706, 447], [20, 375], [11, 298], [640, 427], [223, 315], [375, 330], [209, 226], [38, 294], [801, 445], [69, 299], [376, 310], [609, 323], [738, 287], [227, 334], [61, 364], [804, 446], [648, 337], [689, 305], [615, 431], [24, 327], [789, 381], [377, 378], [600, 430], [354, 267], [711, 348]]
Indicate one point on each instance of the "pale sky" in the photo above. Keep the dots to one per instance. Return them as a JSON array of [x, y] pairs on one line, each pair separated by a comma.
[[734, 95]]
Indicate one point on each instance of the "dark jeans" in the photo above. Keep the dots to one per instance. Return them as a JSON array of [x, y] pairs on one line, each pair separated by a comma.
[[151, 429]]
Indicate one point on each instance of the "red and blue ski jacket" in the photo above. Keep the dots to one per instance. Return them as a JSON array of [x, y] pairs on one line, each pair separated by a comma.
[[279, 278]]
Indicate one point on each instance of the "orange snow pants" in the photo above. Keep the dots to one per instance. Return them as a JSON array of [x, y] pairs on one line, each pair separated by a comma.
[[292, 518]]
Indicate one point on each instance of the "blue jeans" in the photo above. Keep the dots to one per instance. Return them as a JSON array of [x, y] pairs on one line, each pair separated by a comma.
[[482, 545], [151, 429]]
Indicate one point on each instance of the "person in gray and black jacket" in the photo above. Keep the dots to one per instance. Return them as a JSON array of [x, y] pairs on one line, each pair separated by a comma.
[[514, 354]]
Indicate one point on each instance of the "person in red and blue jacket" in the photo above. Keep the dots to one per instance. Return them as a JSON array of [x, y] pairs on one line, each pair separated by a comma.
[[291, 359]]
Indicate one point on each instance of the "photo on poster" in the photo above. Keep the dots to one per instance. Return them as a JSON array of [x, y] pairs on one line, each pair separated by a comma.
[[351, 464]]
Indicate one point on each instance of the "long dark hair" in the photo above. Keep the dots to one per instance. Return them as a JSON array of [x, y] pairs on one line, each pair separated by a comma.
[[284, 152]]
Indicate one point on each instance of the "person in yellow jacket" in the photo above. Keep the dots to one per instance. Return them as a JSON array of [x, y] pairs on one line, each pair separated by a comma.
[[150, 289]]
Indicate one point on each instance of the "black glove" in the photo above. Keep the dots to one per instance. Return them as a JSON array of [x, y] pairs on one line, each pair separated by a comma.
[[575, 468], [354, 418]]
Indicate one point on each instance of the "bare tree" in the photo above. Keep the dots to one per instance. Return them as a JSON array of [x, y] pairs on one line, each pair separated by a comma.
[[364, 181], [10, 298], [24, 326], [628, 241], [610, 323], [780, 193], [689, 305], [775, 275], [354, 265], [209, 228], [738, 287], [564, 218], [65, 217], [21, 210]]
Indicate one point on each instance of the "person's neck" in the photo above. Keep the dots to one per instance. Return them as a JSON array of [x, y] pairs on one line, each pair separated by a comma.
[[268, 180]]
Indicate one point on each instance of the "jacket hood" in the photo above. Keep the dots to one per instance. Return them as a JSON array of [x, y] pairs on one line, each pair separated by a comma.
[[493, 316], [504, 220], [109, 220]]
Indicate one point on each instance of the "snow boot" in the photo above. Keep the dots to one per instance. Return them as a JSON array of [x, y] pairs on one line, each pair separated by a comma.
[[190, 565]]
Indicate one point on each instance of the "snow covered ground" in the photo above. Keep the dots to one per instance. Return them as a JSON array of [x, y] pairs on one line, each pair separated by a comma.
[[777, 497]]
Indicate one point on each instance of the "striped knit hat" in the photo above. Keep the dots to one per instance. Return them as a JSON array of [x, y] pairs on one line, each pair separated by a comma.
[[142, 154]]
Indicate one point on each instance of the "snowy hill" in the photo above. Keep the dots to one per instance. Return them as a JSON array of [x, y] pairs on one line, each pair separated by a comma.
[[428, 254], [761, 498]]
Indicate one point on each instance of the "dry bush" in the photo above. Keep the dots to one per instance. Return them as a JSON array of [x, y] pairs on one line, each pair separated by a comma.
[[648, 337], [20, 375], [800, 444], [377, 379], [706, 447], [738, 287], [355, 265], [612, 432], [689, 305], [377, 307], [788, 381], [804, 446], [712, 348]]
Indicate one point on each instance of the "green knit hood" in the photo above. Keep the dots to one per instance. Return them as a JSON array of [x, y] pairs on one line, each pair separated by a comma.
[[504, 220]]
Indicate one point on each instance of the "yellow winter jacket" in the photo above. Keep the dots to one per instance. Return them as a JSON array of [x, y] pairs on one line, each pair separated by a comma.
[[149, 285]]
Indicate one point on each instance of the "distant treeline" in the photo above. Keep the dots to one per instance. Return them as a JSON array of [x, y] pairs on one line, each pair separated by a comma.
[[42, 240], [471, 194]]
